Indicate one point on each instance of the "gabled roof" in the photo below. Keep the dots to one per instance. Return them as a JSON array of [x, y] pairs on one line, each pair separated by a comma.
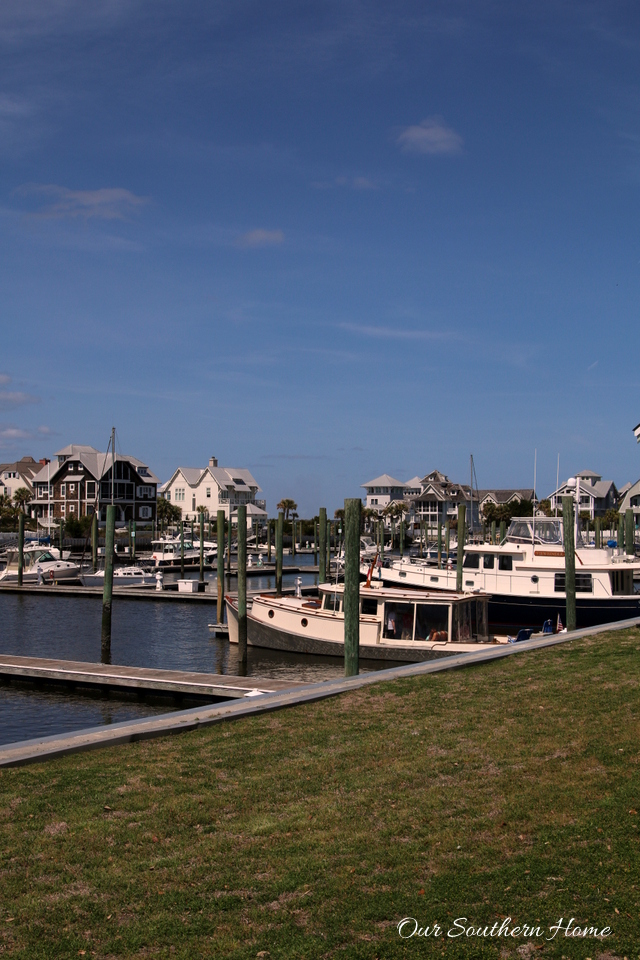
[[384, 481], [95, 463], [597, 490], [588, 475], [74, 449], [633, 491], [415, 482], [435, 477], [227, 478], [505, 496]]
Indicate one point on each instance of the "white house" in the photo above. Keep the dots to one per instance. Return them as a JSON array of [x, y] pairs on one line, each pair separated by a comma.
[[631, 501], [382, 491], [596, 495], [214, 488]]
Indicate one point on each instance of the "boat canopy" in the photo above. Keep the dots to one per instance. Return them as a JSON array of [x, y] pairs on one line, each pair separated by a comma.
[[547, 530]]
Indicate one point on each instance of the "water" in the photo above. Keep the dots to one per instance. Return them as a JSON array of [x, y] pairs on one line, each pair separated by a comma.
[[166, 635]]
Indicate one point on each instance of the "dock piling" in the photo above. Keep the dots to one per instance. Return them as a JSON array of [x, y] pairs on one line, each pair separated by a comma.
[[220, 549], [493, 532], [242, 588], [447, 540], [133, 541], [569, 562], [107, 592], [629, 533], [269, 540], [462, 511], [293, 537], [322, 556], [598, 535], [20, 546], [182, 550], [503, 530], [94, 542], [401, 537], [439, 545], [279, 528], [352, 508], [202, 547]]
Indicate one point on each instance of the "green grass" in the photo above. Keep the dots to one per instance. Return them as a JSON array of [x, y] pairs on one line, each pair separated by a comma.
[[503, 790]]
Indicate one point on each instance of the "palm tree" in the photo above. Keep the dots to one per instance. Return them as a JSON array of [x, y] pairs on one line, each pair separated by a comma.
[[287, 505], [167, 512], [22, 497]]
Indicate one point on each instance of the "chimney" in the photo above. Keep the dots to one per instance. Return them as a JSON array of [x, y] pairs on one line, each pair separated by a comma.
[[213, 461], [44, 461]]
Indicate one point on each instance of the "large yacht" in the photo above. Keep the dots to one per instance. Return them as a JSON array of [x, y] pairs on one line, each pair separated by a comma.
[[166, 552], [525, 577]]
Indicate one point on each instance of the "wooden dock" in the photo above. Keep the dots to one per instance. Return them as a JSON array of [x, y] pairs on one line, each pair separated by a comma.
[[209, 595], [140, 683]]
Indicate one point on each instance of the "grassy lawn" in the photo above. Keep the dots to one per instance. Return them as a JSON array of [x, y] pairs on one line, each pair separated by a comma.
[[508, 790]]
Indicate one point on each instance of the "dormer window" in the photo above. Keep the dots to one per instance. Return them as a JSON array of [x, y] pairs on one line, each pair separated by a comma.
[[71, 465]]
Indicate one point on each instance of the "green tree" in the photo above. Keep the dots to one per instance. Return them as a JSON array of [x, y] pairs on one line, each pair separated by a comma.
[[287, 506], [22, 497], [168, 512]]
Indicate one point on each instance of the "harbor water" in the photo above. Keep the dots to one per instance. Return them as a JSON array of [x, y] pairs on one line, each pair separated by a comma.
[[161, 635]]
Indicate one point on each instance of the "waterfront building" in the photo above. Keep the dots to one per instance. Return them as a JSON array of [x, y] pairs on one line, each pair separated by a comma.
[[18, 474], [596, 495], [213, 488], [501, 498], [79, 482], [384, 490], [631, 501], [439, 499]]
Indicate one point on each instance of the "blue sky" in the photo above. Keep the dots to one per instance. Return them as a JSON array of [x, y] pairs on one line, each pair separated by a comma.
[[323, 240]]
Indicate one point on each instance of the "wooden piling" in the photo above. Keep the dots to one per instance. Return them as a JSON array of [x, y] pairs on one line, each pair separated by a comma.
[[315, 541], [94, 542], [279, 530], [598, 533], [352, 508], [269, 541], [493, 532], [202, 548], [229, 545], [220, 564], [242, 588], [322, 545], [620, 534], [293, 537], [381, 524], [439, 545], [61, 536], [401, 538], [462, 511], [133, 541], [20, 546], [569, 562], [629, 533], [447, 540], [182, 550], [107, 590]]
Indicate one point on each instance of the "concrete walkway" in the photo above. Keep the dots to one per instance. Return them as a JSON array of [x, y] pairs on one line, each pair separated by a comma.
[[33, 751]]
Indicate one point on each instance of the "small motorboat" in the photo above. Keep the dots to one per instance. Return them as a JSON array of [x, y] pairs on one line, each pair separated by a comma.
[[39, 565], [122, 577]]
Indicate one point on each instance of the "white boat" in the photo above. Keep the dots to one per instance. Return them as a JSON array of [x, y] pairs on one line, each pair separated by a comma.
[[525, 576], [395, 625], [368, 548], [122, 577], [39, 564], [166, 552]]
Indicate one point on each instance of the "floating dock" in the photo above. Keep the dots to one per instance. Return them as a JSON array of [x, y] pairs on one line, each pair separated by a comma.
[[139, 683], [169, 592]]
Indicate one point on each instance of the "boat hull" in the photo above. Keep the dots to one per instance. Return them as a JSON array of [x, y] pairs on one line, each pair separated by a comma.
[[263, 635]]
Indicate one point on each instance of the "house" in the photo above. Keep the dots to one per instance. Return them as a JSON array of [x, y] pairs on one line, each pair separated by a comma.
[[214, 488], [439, 499], [18, 474], [631, 501], [80, 482], [382, 491], [501, 498], [596, 495]]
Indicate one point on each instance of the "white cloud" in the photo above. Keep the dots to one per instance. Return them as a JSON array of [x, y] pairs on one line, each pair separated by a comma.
[[107, 203], [16, 398], [431, 136], [4, 378], [396, 333], [14, 433], [261, 238]]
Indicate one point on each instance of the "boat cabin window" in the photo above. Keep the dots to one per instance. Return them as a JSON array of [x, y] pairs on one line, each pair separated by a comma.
[[332, 602], [621, 582], [472, 561], [432, 622], [489, 560], [505, 563], [369, 606], [398, 621], [584, 583]]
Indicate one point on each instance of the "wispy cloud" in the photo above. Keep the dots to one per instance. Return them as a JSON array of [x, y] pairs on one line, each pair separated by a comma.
[[430, 136], [16, 398], [592, 366], [261, 238], [14, 433], [397, 333], [353, 183], [4, 379], [107, 203]]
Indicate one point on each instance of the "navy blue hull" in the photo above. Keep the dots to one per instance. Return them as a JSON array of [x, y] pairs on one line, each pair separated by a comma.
[[511, 613]]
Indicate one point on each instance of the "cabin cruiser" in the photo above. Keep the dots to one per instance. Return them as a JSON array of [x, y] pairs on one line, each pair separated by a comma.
[[395, 625], [122, 577], [39, 565], [525, 576], [166, 552]]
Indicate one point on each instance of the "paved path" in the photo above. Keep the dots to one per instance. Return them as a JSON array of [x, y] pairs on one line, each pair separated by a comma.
[[34, 751]]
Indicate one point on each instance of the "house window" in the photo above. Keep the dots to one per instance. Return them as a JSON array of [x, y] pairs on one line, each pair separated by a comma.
[[72, 508], [72, 488], [63, 489], [208, 491], [91, 489], [145, 513], [80, 468], [168, 494], [70, 468], [62, 509]]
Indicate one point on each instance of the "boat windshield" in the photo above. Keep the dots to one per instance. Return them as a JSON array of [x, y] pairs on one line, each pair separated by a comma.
[[547, 530]]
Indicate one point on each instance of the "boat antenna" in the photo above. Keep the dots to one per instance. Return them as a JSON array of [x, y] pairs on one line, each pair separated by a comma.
[[533, 528], [471, 494], [557, 484]]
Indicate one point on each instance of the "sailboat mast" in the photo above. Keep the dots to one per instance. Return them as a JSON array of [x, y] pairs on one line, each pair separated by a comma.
[[113, 462], [535, 464]]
